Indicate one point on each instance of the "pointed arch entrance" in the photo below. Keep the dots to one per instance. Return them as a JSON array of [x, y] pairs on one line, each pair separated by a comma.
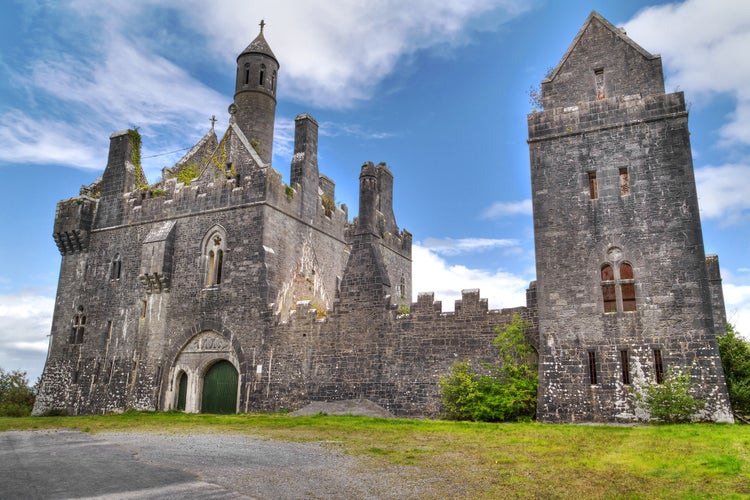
[[204, 377], [220, 388]]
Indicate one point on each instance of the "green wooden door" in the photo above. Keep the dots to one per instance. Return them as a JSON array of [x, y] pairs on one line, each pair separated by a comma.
[[182, 391], [220, 389]]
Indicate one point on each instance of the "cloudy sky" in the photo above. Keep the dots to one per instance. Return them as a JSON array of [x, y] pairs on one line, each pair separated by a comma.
[[439, 92]]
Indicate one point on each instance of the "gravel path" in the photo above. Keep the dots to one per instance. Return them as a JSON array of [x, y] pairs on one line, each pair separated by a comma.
[[259, 468]]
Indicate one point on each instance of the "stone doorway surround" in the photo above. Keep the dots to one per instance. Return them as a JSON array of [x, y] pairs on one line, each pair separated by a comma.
[[200, 353]]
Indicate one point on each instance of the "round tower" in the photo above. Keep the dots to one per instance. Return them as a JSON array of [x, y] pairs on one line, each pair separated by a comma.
[[254, 108]]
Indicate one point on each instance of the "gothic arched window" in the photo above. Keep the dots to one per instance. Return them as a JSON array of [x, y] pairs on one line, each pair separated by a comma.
[[618, 284], [79, 325], [213, 252]]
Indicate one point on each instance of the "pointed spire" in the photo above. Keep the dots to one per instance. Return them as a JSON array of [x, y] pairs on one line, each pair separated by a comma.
[[259, 45]]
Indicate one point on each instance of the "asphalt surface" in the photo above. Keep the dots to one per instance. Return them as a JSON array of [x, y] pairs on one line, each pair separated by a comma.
[[124, 465]]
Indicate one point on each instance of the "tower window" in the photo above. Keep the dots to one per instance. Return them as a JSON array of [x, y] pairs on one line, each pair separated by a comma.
[[625, 366], [214, 247], [618, 289], [273, 81], [247, 73], [593, 189], [658, 367], [609, 293], [599, 82], [79, 325], [262, 76], [592, 367], [624, 182], [115, 268]]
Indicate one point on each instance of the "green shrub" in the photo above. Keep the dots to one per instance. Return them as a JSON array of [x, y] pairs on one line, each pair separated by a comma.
[[507, 392], [735, 359], [16, 397], [671, 401]]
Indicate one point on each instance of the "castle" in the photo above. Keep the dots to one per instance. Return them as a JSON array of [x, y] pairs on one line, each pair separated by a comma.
[[221, 289]]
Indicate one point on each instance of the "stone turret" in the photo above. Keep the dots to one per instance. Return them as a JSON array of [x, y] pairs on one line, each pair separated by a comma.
[[304, 174], [254, 107]]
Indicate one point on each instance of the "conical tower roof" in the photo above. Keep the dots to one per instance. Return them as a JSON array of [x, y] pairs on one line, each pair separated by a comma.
[[259, 46]]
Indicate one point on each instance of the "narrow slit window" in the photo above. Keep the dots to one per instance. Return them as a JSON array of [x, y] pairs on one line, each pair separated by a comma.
[[219, 262], [247, 73], [599, 82], [658, 367], [624, 182], [592, 367], [262, 76], [625, 366], [593, 189]]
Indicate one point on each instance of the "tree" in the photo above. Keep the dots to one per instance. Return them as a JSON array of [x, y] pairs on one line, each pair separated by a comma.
[[735, 359], [670, 401], [506, 392], [16, 397]]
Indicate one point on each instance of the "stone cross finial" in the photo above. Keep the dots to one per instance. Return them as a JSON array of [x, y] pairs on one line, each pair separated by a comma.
[[213, 121], [262, 24]]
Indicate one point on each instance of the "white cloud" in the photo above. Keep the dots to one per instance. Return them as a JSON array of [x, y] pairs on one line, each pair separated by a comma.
[[450, 246], [26, 319], [701, 44], [334, 54], [722, 192], [430, 273], [737, 301], [505, 208]]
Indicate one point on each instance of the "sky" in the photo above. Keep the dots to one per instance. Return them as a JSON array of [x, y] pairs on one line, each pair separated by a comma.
[[437, 90]]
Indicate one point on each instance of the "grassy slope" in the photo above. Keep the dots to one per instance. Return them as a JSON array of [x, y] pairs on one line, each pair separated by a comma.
[[494, 460]]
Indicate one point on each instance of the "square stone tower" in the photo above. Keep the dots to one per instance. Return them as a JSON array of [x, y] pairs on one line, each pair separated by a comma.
[[624, 296]]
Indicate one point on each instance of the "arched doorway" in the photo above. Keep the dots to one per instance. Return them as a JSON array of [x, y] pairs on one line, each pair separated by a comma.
[[182, 391], [220, 389]]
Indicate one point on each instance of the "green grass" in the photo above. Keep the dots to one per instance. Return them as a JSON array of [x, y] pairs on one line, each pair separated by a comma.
[[476, 460]]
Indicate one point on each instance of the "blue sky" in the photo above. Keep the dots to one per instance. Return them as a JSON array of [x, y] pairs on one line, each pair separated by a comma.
[[439, 92]]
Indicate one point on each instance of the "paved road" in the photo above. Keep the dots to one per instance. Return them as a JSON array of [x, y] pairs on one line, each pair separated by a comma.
[[72, 464]]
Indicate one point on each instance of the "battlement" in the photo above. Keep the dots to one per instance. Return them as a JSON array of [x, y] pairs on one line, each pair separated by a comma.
[[469, 305], [595, 115]]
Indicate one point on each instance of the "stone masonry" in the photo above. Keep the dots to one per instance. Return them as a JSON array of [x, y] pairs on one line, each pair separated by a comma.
[[222, 289]]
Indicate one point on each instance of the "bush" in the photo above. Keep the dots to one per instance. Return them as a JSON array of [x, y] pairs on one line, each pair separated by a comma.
[[16, 397], [671, 401], [506, 393], [735, 359]]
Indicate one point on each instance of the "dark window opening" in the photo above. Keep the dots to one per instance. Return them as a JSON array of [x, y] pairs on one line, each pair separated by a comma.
[[115, 268], [219, 262], [144, 308], [247, 73], [592, 367], [624, 182], [625, 365], [76, 334], [262, 76], [658, 367], [609, 294], [273, 80], [593, 189]]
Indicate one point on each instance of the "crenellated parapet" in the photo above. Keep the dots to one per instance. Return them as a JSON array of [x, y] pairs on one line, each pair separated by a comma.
[[610, 112]]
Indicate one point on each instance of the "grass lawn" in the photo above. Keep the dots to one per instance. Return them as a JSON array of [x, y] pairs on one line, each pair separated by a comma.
[[493, 460]]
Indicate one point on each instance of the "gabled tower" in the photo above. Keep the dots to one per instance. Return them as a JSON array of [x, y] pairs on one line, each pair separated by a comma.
[[254, 107], [622, 287]]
